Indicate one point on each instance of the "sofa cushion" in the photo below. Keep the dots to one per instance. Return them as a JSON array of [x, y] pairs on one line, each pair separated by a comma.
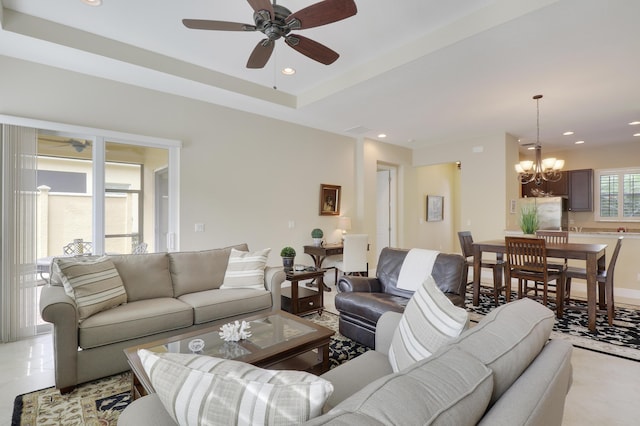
[[213, 305], [246, 269], [429, 321], [349, 377], [450, 388], [198, 389], [136, 319], [145, 276], [94, 285], [199, 270], [508, 339]]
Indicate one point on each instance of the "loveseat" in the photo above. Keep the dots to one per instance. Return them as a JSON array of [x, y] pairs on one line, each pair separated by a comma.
[[362, 300], [166, 294], [503, 371]]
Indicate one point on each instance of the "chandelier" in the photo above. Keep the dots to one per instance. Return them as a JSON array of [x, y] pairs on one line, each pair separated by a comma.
[[539, 170]]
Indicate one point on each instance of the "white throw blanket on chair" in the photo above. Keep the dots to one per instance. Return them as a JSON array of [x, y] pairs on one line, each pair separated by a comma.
[[417, 266]]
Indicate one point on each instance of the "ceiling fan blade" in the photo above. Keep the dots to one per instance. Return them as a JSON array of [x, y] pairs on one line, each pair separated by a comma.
[[259, 5], [312, 49], [261, 54], [203, 24], [324, 12]]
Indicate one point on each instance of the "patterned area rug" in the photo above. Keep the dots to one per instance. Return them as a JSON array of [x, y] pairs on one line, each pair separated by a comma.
[[620, 339], [99, 403]]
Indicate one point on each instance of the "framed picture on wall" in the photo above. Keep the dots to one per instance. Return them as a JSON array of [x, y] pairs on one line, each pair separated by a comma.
[[434, 208], [329, 200]]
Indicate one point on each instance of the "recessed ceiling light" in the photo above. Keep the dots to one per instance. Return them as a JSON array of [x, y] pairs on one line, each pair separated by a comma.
[[634, 123], [569, 133], [579, 142], [288, 71], [636, 134], [382, 136], [92, 2]]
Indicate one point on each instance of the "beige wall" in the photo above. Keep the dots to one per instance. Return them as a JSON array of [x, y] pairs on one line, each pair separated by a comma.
[[483, 191], [244, 176]]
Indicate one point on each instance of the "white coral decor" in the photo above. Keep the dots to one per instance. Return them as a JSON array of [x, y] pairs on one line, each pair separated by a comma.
[[234, 331]]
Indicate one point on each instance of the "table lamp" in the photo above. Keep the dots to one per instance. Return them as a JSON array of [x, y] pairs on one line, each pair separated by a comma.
[[344, 223]]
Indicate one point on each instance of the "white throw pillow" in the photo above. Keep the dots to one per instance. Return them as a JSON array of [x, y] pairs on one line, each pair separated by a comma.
[[246, 269], [95, 285], [429, 321], [199, 389]]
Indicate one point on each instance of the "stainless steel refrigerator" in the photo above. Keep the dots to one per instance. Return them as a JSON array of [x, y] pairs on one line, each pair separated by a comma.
[[552, 211]]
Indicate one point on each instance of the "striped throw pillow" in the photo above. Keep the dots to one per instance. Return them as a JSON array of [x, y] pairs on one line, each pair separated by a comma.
[[246, 269], [199, 389], [95, 285], [429, 321]]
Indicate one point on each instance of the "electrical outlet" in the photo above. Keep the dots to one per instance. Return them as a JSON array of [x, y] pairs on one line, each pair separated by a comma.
[[199, 227]]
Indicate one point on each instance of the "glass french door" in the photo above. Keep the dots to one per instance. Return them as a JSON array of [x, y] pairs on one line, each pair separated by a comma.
[[95, 192]]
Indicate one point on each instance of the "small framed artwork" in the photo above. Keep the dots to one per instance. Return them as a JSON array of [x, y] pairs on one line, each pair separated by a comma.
[[434, 208], [329, 200]]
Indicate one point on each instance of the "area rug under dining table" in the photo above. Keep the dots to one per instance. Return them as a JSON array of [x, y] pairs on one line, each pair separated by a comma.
[[621, 339], [101, 401]]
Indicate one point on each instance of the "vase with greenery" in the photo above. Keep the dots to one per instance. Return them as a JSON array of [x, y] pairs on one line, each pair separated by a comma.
[[287, 254], [529, 220], [317, 235]]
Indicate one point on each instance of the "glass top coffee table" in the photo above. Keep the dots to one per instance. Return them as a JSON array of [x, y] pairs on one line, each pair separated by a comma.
[[278, 341]]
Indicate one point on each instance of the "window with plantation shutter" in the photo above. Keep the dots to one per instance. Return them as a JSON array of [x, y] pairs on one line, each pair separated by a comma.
[[618, 195]]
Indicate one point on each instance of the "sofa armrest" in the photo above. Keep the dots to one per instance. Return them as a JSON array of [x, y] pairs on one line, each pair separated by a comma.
[[60, 310], [385, 330], [348, 283], [274, 276]]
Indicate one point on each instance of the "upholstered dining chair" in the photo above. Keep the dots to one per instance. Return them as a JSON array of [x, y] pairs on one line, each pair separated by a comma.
[[354, 255], [497, 268], [604, 280], [527, 261]]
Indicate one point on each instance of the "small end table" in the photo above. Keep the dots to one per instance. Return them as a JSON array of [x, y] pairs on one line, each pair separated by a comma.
[[301, 300]]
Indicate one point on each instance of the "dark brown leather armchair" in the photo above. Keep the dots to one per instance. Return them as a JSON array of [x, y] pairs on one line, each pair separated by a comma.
[[362, 300]]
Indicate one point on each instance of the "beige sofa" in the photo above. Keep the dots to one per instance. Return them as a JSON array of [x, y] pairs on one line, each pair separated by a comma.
[[503, 371], [167, 294]]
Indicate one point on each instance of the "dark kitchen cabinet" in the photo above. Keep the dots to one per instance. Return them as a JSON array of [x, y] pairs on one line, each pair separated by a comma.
[[558, 188], [580, 190]]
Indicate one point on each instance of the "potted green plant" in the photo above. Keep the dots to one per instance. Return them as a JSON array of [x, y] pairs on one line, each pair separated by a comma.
[[317, 235], [529, 220], [287, 254]]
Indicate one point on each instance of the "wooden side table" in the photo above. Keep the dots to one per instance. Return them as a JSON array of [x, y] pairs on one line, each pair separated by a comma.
[[301, 300]]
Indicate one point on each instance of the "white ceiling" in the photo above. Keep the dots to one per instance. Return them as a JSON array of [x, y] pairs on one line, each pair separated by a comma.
[[421, 71]]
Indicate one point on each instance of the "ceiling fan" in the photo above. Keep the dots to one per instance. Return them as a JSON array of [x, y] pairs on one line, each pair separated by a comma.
[[78, 144], [276, 21]]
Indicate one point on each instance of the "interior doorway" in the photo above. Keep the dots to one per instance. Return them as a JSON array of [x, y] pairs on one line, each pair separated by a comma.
[[386, 207]]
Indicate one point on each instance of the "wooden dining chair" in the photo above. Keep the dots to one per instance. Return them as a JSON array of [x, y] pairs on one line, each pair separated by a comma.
[[605, 284], [497, 267], [527, 261], [554, 237]]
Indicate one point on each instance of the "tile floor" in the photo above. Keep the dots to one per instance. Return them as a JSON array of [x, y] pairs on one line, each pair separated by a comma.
[[605, 389]]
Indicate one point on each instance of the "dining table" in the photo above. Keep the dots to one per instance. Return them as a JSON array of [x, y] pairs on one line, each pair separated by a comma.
[[592, 254]]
